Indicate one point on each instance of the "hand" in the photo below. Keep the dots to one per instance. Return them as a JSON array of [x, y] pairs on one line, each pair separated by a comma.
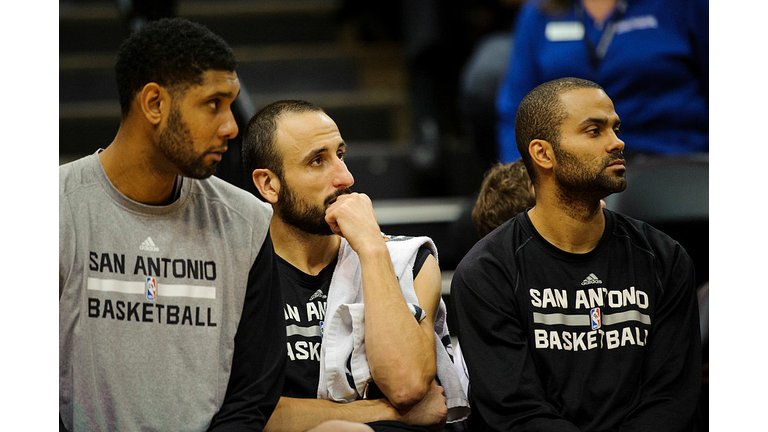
[[431, 412], [352, 217]]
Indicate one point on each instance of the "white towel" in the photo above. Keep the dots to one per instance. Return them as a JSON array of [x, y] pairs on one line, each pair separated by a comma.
[[461, 367], [344, 372]]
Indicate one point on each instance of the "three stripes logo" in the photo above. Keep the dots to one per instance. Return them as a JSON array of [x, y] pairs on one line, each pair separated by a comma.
[[149, 245], [318, 293], [591, 279]]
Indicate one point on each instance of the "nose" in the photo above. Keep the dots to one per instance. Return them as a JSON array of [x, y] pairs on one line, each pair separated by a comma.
[[229, 129], [616, 144], [342, 178]]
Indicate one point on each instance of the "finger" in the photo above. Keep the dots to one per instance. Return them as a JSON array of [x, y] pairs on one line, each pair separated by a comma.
[[332, 223]]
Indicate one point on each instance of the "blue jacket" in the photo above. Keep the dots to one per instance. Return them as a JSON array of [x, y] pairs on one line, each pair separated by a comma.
[[656, 71]]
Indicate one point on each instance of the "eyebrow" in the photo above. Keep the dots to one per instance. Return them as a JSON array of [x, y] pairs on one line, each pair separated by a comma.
[[321, 150], [224, 94], [599, 120]]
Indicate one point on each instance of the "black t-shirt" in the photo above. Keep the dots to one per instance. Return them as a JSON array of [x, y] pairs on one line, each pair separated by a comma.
[[306, 299], [590, 342]]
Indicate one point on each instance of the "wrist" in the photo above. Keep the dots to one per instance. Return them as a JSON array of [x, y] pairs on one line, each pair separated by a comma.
[[388, 411], [373, 250]]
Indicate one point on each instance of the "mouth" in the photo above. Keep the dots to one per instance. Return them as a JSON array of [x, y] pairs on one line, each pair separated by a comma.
[[219, 153], [333, 197], [618, 162]]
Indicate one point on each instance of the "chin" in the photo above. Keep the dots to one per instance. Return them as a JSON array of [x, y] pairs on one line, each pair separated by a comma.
[[200, 172], [620, 187]]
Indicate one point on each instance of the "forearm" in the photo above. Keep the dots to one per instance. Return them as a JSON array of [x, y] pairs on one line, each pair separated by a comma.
[[400, 350], [296, 415]]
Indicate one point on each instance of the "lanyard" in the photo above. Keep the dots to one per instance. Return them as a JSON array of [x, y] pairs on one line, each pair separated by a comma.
[[596, 54]]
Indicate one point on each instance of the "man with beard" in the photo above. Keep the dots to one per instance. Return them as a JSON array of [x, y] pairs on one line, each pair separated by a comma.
[[170, 310], [572, 317], [296, 154]]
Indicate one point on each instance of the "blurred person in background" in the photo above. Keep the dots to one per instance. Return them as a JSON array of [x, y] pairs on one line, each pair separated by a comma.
[[651, 56], [506, 191]]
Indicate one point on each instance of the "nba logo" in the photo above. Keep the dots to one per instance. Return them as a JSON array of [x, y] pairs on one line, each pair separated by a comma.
[[151, 288], [594, 318]]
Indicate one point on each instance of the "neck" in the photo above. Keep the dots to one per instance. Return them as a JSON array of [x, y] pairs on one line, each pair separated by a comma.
[[570, 225], [133, 169], [307, 252], [599, 10]]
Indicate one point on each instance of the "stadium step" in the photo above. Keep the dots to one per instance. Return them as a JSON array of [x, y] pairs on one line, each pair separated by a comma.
[[286, 50]]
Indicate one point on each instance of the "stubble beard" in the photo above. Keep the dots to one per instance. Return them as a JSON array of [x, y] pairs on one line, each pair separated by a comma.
[[303, 215], [175, 143], [578, 182]]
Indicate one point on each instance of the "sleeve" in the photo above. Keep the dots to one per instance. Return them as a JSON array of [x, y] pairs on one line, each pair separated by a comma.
[[66, 243], [505, 390], [258, 365], [671, 379], [421, 256], [520, 78]]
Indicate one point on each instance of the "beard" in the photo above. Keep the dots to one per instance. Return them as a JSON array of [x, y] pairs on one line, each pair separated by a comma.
[[588, 181], [304, 215], [175, 143]]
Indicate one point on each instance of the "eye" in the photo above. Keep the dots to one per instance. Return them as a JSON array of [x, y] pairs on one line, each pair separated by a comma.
[[214, 104], [341, 153], [317, 161], [617, 131], [595, 131]]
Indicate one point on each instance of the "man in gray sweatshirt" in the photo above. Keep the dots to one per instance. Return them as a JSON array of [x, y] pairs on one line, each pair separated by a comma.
[[170, 308]]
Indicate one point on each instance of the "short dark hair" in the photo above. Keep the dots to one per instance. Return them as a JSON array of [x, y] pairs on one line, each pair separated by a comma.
[[259, 150], [505, 192], [172, 52], [541, 113]]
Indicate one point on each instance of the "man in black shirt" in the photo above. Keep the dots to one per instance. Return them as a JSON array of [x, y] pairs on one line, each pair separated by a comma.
[[296, 154], [572, 317]]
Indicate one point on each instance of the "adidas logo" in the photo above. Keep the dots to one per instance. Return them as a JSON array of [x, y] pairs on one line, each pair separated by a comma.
[[318, 293], [149, 245], [591, 279]]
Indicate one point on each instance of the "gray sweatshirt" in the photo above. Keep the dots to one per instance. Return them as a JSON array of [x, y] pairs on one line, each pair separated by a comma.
[[170, 317]]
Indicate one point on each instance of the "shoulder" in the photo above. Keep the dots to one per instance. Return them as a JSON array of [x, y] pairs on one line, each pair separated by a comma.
[[245, 215], [666, 251], [497, 251], [489, 272], [639, 231], [75, 174], [680, 15], [409, 245], [217, 192]]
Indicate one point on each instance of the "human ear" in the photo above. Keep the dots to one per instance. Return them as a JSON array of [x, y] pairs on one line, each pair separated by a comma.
[[154, 101], [267, 184], [541, 153]]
